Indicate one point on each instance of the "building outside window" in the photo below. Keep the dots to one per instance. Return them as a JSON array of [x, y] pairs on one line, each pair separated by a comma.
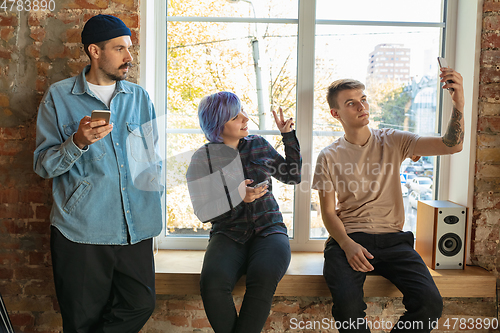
[[285, 53]]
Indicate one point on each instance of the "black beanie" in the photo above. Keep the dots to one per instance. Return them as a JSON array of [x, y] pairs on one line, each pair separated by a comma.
[[103, 27]]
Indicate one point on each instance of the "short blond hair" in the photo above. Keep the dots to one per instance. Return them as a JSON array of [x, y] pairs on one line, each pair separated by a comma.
[[337, 86]]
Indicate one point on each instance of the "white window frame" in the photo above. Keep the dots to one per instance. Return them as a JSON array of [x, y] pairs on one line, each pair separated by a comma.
[[462, 50]]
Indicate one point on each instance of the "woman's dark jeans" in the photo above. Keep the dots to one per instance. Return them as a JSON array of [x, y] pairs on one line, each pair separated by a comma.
[[264, 260], [396, 260]]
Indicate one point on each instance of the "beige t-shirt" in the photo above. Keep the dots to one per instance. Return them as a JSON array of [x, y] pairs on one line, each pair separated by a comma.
[[366, 179]]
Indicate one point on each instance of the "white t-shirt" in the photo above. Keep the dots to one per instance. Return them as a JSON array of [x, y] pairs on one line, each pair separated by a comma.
[[366, 179], [105, 93]]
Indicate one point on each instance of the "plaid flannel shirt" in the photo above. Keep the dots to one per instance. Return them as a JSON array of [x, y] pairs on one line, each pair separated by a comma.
[[259, 161]]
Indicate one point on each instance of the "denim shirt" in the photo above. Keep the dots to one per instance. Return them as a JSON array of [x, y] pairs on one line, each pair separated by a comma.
[[109, 192]]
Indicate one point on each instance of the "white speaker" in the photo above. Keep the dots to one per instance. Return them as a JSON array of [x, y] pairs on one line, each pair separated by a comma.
[[441, 230]]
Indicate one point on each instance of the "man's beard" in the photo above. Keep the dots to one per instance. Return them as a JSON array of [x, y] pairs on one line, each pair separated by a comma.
[[116, 77]]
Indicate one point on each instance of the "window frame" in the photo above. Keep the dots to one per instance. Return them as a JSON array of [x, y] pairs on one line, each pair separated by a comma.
[[457, 50]]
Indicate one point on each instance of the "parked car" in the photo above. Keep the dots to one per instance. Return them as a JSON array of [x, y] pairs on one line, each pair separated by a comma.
[[414, 197], [420, 184], [404, 190], [408, 178]]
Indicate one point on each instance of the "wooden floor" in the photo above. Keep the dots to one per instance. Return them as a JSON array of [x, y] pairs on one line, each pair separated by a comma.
[[178, 273]]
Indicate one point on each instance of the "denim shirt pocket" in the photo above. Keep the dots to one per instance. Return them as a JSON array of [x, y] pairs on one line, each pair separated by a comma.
[[96, 150], [140, 142], [81, 191]]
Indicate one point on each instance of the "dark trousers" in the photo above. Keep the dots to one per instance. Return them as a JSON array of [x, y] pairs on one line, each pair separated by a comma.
[[264, 260], [396, 260], [103, 288]]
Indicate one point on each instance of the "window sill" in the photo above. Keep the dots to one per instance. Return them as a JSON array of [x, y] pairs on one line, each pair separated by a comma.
[[178, 273]]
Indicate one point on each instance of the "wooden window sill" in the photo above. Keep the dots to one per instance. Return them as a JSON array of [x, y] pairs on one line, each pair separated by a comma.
[[178, 273]]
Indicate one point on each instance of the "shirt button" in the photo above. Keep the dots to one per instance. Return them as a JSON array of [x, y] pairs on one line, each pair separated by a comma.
[[121, 165], [123, 188], [117, 144], [128, 211]]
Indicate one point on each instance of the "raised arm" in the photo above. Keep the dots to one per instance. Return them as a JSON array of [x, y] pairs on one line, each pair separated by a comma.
[[452, 141], [356, 255]]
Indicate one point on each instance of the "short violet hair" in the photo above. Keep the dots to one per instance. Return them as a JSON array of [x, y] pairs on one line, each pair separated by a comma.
[[215, 110]]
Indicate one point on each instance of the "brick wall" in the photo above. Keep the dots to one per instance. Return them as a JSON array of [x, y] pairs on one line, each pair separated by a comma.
[[38, 49]]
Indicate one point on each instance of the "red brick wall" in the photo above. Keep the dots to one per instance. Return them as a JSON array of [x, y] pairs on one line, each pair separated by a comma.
[[486, 218], [38, 49]]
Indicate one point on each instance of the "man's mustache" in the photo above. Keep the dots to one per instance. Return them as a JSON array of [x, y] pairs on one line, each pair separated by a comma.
[[127, 64]]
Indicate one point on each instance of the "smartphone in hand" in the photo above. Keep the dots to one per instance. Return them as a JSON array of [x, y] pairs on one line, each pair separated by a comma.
[[442, 64], [101, 115], [265, 182]]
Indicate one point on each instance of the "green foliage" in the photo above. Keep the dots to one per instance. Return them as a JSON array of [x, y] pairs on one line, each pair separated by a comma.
[[394, 107]]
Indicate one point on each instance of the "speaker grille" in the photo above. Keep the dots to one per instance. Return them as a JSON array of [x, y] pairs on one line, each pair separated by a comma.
[[450, 244]]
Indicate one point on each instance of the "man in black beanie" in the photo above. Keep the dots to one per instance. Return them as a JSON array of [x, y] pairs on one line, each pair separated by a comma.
[[106, 190]]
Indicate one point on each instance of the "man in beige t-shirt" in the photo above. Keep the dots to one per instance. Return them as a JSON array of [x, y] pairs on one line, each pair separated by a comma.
[[365, 226]]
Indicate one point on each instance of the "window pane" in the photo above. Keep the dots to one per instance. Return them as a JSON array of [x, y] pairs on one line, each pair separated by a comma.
[[257, 62], [380, 10], [234, 8], [399, 69]]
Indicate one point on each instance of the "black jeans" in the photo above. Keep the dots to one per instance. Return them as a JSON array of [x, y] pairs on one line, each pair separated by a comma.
[[396, 260], [264, 260], [103, 288]]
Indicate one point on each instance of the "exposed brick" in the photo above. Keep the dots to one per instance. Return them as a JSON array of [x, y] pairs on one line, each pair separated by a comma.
[[10, 287], [10, 258], [73, 35], [86, 4], [490, 40], [9, 195], [200, 323], [488, 155], [490, 75], [488, 124], [36, 258], [32, 273], [125, 4], [487, 185], [38, 34], [487, 171], [40, 288], [5, 54], [42, 212], [491, 22], [4, 100], [70, 17], [489, 6], [178, 320], [49, 319], [13, 227], [286, 307], [130, 20], [489, 109], [76, 67], [6, 273], [7, 33], [8, 20], [41, 84], [22, 319], [24, 304], [9, 133], [33, 51]]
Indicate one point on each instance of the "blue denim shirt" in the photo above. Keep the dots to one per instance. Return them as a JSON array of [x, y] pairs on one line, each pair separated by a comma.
[[109, 192]]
